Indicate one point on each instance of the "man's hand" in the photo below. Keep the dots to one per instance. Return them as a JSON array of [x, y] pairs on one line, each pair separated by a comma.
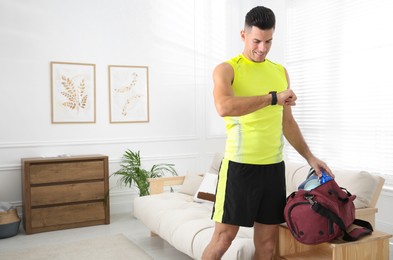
[[319, 165], [286, 98]]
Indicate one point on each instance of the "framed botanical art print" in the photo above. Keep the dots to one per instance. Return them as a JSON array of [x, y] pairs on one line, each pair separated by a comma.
[[128, 94], [73, 92]]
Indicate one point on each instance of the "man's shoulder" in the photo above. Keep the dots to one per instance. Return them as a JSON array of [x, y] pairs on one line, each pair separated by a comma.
[[224, 66]]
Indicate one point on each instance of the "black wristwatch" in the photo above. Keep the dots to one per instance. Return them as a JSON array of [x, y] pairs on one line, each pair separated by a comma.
[[274, 97]]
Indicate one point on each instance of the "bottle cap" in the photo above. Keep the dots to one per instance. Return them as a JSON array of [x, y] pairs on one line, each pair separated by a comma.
[[325, 178]]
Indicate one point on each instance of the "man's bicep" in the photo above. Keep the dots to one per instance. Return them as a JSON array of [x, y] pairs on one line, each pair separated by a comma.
[[222, 92], [222, 80]]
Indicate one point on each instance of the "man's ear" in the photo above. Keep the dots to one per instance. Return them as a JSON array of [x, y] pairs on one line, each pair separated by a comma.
[[243, 34]]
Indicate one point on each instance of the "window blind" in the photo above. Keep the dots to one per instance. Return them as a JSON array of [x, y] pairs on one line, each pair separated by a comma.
[[339, 57]]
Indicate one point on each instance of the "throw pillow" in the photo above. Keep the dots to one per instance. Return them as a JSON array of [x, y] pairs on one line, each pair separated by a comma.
[[216, 163], [207, 190], [360, 183], [191, 184]]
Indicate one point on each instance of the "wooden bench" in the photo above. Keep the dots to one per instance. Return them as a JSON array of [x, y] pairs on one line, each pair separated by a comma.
[[372, 247]]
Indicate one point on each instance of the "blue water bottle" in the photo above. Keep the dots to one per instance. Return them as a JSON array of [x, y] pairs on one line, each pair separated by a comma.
[[325, 178], [310, 183]]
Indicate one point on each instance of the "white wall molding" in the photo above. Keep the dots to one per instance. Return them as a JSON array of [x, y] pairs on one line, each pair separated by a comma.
[[11, 145], [387, 190], [121, 201], [215, 136], [17, 167], [383, 223], [167, 156], [10, 167]]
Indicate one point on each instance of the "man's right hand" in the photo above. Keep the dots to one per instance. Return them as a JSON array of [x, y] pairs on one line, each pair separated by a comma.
[[286, 98]]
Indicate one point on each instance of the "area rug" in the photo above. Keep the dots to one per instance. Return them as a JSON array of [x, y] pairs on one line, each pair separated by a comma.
[[109, 247]]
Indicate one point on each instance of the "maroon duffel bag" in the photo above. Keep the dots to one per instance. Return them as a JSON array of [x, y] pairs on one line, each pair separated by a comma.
[[323, 214]]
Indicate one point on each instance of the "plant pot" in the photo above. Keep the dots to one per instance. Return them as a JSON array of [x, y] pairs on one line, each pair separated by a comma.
[[9, 223]]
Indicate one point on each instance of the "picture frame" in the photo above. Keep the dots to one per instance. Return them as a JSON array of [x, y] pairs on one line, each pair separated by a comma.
[[73, 92], [128, 94]]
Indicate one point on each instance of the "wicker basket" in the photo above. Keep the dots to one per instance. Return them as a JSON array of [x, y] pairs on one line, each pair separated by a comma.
[[9, 223]]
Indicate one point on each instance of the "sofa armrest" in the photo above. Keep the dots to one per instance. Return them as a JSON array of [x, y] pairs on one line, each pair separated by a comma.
[[367, 214], [157, 184], [375, 197]]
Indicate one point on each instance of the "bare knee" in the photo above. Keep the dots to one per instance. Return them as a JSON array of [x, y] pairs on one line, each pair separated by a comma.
[[264, 250], [221, 241], [224, 241], [266, 246], [265, 239]]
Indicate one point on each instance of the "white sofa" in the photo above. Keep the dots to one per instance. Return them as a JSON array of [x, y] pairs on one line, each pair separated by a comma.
[[184, 220]]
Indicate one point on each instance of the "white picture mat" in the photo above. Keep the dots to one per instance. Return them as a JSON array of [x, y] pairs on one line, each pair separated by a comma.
[[129, 94], [73, 92]]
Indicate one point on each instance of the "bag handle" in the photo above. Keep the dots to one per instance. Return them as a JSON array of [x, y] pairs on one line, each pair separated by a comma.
[[355, 234], [344, 200]]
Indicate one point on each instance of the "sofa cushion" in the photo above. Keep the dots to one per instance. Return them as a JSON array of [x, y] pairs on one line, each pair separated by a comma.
[[180, 227], [360, 183], [208, 186], [216, 163], [191, 184], [150, 209]]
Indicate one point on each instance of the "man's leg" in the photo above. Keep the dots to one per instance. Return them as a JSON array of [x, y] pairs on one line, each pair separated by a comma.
[[221, 240], [265, 238]]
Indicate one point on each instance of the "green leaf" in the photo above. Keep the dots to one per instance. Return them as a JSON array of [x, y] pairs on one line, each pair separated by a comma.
[[130, 172]]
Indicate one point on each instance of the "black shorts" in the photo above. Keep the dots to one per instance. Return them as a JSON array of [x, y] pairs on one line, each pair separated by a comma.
[[248, 193]]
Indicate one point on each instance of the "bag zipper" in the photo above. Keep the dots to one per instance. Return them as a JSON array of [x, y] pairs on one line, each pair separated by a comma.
[[290, 219]]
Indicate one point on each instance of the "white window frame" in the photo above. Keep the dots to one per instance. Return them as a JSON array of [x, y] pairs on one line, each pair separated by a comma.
[[338, 54]]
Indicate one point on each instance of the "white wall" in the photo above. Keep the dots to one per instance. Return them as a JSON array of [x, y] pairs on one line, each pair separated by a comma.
[[180, 41], [167, 36]]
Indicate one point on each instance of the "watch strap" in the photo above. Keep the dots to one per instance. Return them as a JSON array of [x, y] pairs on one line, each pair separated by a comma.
[[274, 97]]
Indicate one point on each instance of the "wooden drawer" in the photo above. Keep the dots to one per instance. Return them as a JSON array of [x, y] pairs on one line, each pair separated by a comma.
[[65, 193], [68, 214], [42, 173]]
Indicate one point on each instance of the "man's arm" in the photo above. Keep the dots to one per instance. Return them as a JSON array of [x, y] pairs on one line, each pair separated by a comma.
[[229, 105], [295, 137]]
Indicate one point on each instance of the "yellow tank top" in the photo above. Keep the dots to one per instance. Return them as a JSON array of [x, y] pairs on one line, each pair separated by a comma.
[[256, 138]]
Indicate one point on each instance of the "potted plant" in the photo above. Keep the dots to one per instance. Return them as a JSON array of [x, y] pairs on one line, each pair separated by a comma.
[[132, 172]]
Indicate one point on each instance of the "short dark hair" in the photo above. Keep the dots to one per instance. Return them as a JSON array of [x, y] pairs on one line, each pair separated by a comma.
[[261, 17]]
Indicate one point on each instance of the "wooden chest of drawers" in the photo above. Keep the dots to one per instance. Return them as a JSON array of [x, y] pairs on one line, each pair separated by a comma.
[[64, 192]]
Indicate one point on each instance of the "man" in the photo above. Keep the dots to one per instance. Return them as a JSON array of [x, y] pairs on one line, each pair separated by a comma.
[[254, 97]]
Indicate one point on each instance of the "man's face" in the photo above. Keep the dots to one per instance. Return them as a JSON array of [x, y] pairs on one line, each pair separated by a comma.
[[257, 43]]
